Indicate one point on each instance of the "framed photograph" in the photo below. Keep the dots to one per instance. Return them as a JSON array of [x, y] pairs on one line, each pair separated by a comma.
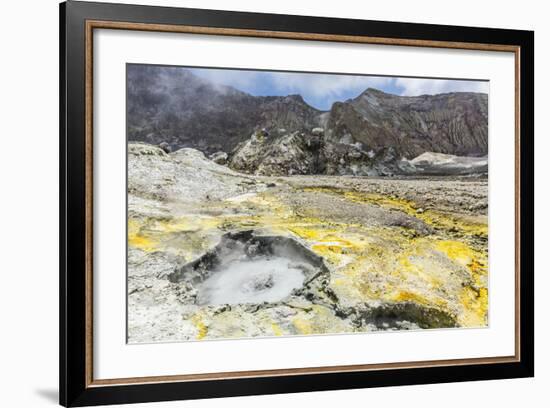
[[256, 203]]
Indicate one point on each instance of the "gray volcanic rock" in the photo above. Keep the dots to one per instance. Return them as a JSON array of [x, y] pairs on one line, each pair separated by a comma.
[[219, 157], [295, 153], [452, 123], [310, 153], [345, 159], [172, 105]]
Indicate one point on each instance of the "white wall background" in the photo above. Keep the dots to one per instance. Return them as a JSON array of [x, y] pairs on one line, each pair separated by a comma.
[[29, 204]]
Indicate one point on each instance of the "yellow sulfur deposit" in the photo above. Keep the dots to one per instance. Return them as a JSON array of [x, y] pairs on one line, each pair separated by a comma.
[[201, 327]]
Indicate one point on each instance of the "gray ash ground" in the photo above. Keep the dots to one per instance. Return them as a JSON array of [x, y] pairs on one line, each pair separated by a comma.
[[399, 253]]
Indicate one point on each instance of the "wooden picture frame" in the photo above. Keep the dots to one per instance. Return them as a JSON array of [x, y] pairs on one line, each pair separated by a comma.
[[78, 20]]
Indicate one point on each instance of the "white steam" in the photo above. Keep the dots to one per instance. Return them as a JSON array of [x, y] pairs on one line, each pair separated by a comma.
[[262, 279]]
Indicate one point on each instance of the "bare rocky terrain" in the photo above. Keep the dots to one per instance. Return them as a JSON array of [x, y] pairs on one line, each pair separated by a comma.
[[172, 105], [264, 216], [217, 253]]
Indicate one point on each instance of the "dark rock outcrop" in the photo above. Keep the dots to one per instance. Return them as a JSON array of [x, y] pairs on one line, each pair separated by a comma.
[[294, 153], [310, 153], [172, 105], [451, 123]]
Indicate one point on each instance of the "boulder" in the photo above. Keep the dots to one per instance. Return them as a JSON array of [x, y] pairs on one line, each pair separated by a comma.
[[219, 157], [294, 153], [166, 147]]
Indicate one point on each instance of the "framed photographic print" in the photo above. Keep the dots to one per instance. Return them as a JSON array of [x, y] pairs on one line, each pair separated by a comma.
[[255, 203]]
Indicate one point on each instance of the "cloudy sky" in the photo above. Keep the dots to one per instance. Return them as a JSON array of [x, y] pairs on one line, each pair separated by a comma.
[[322, 90]]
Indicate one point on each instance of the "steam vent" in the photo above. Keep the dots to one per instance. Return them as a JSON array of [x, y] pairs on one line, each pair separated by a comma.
[[245, 268]]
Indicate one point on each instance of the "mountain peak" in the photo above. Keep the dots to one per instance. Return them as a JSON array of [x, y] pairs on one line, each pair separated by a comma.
[[375, 92], [295, 97]]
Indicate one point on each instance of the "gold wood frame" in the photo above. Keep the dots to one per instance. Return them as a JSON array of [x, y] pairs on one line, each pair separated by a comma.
[[98, 24]]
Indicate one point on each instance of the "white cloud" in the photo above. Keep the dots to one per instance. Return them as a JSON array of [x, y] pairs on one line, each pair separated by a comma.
[[325, 85], [237, 79], [322, 90], [422, 86]]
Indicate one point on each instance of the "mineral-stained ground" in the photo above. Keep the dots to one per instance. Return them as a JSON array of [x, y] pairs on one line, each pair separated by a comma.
[[213, 253]]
